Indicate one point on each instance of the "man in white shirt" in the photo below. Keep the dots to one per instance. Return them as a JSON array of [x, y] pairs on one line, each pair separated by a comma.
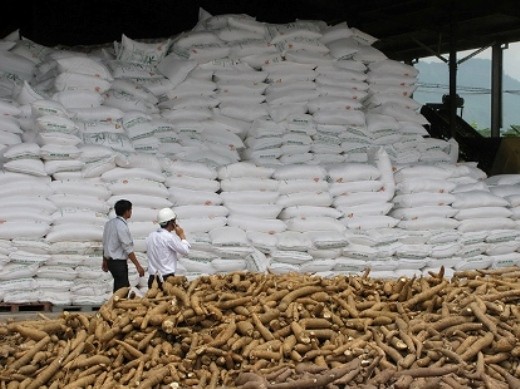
[[163, 247], [118, 246]]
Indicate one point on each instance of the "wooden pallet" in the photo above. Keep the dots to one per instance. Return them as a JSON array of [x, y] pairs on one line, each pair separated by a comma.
[[75, 308], [40, 306]]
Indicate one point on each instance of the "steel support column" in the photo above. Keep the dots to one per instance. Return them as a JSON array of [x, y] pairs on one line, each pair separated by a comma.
[[453, 76], [496, 90]]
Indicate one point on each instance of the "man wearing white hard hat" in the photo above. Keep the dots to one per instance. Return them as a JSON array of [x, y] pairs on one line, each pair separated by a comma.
[[163, 247]]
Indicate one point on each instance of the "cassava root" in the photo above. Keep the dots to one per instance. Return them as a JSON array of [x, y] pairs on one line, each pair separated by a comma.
[[264, 331]]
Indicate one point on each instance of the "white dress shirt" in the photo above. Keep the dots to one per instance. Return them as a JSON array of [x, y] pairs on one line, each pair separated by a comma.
[[162, 248], [117, 240]]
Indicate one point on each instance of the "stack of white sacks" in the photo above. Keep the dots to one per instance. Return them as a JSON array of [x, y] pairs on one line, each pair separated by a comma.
[[305, 203], [281, 147]]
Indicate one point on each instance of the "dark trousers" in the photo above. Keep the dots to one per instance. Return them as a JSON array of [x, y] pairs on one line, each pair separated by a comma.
[[119, 270], [158, 279]]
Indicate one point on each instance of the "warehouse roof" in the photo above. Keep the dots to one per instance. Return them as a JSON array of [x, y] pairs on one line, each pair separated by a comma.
[[407, 29]]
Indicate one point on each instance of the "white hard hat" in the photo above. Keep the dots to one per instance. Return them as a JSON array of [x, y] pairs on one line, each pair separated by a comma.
[[165, 215]]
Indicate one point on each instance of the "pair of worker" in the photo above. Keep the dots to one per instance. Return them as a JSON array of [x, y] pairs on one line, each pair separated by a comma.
[[163, 246]]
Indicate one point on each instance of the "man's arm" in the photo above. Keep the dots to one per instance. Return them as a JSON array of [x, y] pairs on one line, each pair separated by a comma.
[[104, 264], [182, 247], [128, 246], [138, 266]]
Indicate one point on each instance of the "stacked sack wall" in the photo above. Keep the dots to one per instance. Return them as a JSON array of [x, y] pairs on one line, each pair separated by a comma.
[[282, 147]]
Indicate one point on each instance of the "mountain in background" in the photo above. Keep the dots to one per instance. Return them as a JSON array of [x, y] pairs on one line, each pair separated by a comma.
[[474, 86]]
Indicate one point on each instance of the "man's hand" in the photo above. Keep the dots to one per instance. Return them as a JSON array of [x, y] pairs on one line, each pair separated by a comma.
[[179, 231], [104, 265], [136, 263], [140, 270]]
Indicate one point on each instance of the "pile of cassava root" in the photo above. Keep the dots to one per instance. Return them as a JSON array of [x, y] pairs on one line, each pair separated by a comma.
[[293, 331]]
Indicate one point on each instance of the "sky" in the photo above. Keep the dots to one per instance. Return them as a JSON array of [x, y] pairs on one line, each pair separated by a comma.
[[511, 58]]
